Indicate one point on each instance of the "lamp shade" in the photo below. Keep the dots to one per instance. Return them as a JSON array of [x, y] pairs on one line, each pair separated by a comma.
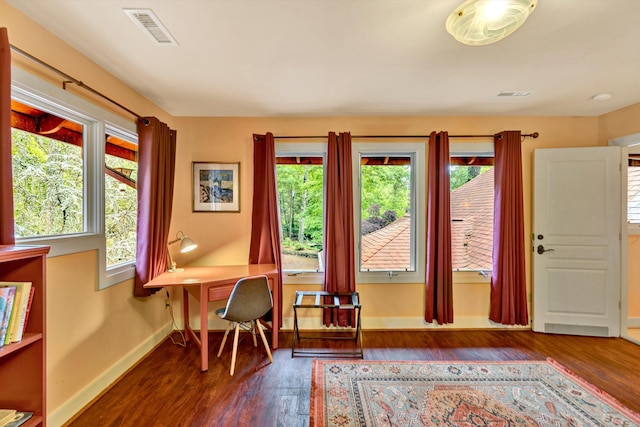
[[481, 22], [187, 245]]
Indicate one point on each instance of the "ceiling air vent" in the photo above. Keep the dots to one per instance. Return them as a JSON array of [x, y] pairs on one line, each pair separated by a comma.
[[513, 94], [151, 25]]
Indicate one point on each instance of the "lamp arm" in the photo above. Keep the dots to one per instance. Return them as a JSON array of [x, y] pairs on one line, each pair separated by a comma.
[[172, 264]]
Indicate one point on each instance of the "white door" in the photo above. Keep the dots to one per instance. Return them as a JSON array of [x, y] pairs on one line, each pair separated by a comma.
[[576, 241]]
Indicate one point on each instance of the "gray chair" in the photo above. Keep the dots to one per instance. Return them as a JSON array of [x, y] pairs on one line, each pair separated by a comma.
[[249, 301]]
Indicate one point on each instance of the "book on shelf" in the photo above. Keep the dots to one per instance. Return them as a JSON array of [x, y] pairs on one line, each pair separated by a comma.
[[18, 311], [28, 310], [7, 296], [7, 415], [19, 418]]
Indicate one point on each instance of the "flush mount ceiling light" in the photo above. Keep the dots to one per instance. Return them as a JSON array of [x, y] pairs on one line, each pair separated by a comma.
[[480, 22], [605, 96]]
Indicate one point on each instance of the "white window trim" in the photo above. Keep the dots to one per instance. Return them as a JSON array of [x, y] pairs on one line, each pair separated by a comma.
[[306, 149], [32, 90], [418, 213]]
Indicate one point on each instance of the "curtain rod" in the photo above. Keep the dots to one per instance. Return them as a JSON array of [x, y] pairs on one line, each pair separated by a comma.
[[530, 135], [74, 81]]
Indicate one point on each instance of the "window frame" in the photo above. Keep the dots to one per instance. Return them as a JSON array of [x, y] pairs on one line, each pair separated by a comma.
[[305, 149], [97, 122], [633, 228], [417, 152]]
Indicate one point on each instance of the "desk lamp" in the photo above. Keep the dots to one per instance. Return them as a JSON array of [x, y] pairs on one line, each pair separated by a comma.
[[186, 245]]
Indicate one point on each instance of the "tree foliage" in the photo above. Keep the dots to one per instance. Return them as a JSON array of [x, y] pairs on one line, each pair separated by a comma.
[[460, 175], [300, 193], [47, 185], [48, 194]]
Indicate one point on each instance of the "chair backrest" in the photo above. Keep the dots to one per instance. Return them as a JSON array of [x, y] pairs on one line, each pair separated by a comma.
[[250, 299]]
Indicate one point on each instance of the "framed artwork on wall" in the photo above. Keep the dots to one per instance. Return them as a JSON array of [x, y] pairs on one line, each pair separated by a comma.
[[216, 187]]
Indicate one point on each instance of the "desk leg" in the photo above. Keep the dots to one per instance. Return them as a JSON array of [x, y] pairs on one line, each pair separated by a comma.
[[185, 313], [276, 315], [204, 328]]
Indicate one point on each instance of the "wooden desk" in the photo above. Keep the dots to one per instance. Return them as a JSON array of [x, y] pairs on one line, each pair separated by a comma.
[[212, 284]]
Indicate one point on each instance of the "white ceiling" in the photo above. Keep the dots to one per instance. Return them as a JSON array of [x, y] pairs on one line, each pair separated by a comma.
[[355, 57]]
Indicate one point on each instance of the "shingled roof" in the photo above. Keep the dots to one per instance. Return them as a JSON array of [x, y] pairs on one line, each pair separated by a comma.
[[471, 232], [472, 223]]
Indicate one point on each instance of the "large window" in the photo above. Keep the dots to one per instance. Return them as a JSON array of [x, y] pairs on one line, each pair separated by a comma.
[[48, 173], [389, 209], [74, 171], [300, 179], [472, 200]]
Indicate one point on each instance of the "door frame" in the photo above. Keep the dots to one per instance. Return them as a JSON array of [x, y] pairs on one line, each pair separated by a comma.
[[625, 142]]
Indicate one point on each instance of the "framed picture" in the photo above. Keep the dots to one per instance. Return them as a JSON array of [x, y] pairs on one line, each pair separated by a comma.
[[216, 187]]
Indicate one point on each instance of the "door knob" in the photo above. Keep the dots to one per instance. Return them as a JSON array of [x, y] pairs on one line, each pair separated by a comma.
[[542, 250]]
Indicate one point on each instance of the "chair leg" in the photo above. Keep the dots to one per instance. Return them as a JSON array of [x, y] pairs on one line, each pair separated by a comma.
[[235, 349], [264, 341], [253, 332], [224, 339]]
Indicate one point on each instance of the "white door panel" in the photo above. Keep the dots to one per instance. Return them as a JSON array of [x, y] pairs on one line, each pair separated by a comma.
[[576, 286]]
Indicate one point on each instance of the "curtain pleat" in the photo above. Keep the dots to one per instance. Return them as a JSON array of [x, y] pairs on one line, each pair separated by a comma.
[[339, 275], [156, 172], [6, 182], [439, 281], [265, 217], [508, 279]]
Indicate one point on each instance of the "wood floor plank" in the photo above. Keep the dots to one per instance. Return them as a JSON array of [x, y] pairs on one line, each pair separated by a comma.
[[168, 389]]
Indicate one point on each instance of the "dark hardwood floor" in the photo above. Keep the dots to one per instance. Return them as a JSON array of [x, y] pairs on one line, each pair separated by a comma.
[[168, 389]]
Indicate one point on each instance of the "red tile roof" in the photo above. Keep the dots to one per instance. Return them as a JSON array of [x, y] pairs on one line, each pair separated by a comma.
[[389, 247], [472, 223], [471, 232]]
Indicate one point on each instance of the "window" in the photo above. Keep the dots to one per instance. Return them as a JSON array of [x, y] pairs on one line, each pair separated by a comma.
[[633, 190], [300, 180], [48, 173], [389, 209], [120, 200], [472, 200], [69, 159]]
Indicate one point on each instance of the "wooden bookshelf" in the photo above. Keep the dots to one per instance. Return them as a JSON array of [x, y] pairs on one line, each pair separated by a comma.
[[23, 364]]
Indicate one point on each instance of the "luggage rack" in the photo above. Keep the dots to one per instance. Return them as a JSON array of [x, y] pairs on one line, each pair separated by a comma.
[[319, 300]]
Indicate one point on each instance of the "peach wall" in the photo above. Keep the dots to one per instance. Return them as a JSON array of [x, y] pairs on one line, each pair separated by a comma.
[[634, 277], [91, 334], [224, 237]]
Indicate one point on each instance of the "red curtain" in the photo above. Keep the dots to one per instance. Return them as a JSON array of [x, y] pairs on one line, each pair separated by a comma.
[[265, 217], [508, 279], [439, 280], [339, 275], [156, 171], [6, 183]]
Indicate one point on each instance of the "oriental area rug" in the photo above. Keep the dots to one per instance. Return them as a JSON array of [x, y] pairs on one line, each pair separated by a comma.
[[460, 393]]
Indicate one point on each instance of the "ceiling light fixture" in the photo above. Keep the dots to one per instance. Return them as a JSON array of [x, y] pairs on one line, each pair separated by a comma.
[[605, 96], [480, 22]]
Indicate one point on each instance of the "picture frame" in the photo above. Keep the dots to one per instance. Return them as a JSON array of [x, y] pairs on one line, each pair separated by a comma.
[[216, 187]]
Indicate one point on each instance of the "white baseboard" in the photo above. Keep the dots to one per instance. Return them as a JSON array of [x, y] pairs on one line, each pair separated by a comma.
[[100, 384], [633, 322], [402, 323]]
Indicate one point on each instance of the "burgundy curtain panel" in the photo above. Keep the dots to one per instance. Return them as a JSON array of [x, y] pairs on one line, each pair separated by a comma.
[[156, 172], [6, 183], [508, 279], [265, 217], [339, 275], [439, 279]]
